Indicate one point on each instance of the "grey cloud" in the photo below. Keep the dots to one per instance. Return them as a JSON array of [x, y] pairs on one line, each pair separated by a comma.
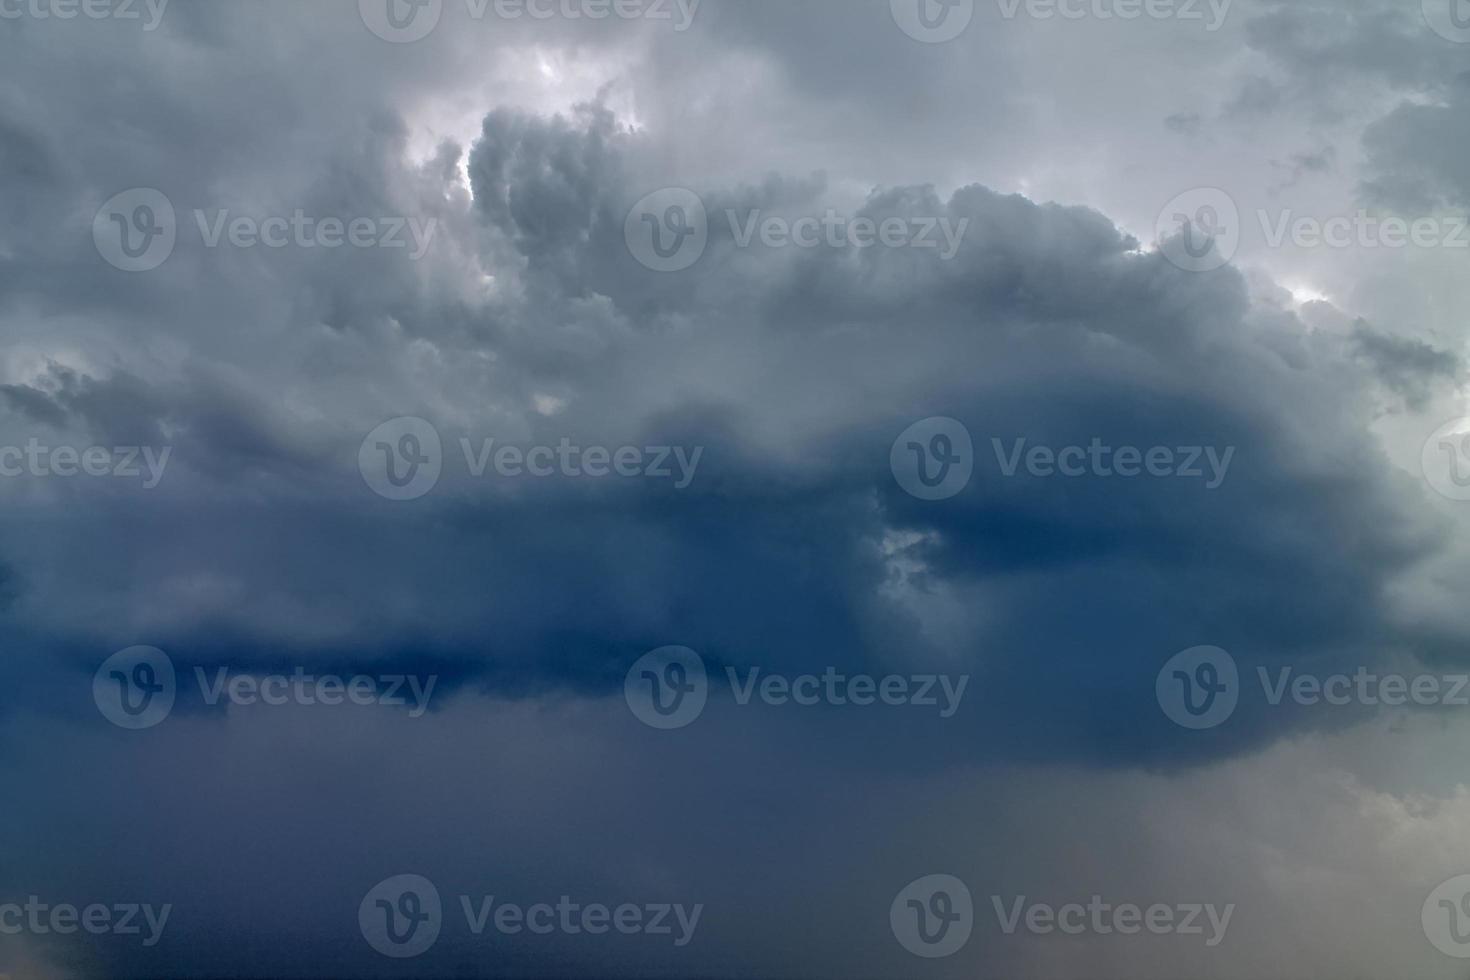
[[794, 549]]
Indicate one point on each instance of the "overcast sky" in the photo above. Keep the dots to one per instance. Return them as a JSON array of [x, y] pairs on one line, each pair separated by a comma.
[[988, 346]]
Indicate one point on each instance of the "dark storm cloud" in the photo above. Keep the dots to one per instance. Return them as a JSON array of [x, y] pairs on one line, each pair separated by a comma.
[[793, 549], [1049, 325]]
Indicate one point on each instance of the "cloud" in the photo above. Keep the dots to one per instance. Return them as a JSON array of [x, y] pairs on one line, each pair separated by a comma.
[[529, 320]]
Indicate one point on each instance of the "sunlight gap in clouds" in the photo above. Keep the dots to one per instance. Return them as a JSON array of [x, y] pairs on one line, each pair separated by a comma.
[[544, 80], [1302, 294]]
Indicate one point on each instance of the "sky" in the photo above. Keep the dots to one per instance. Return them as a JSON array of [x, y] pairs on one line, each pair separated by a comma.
[[734, 489]]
